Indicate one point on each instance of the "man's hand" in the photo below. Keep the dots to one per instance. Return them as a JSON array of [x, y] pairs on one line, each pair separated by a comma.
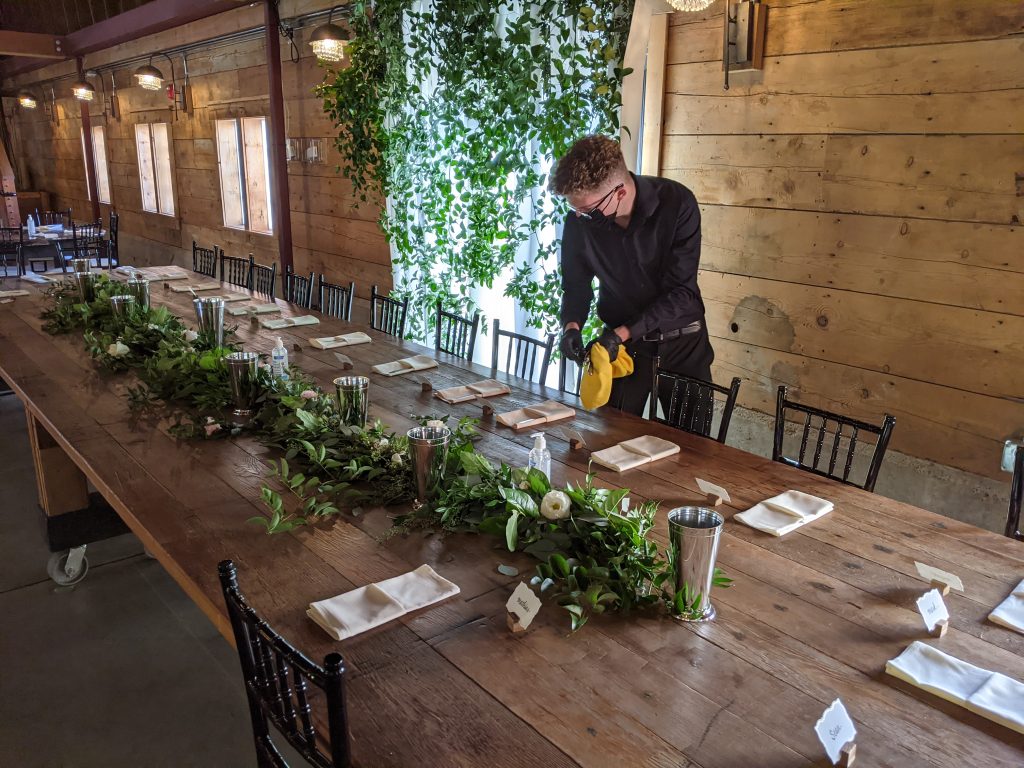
[[572, 344], [610, 340]]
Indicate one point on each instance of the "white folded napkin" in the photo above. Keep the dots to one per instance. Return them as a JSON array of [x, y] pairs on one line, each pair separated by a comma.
[[32, 277], [784, 513], [367, 607], [406, 365], [1010, 612], [229, 297], [207, 285], [341, 340], [169, 272], [254, 309], [485, 388], [630, 454], [288, 322], [531, 416], [992, 695], [12, 294]]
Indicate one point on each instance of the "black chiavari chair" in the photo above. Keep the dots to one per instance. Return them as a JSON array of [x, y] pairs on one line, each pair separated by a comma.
[[455, 334], [235, 270], [264, 279], [387, 315], [113, 255], [570, 374], [204, 260], [836, 470], [523, 353], [277, 680], [689, 403], [296, 288], [86, 243], [51, 218], [336, 300], [1016, 496], [12, 239]]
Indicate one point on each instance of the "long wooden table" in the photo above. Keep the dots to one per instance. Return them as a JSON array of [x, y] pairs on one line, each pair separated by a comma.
[[812, 616]]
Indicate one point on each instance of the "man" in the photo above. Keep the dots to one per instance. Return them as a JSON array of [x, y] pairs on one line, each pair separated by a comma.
[[640, 237]]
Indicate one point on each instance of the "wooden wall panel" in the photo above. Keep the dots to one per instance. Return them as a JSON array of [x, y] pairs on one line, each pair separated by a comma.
[[228, 81], [862, 205]]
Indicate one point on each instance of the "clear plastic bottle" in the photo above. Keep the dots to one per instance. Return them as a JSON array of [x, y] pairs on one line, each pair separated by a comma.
[[279, 360], [540, 456]]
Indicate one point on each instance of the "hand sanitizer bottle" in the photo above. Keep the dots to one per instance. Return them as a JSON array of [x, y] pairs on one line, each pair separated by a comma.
[[540, 456], [279, 360]]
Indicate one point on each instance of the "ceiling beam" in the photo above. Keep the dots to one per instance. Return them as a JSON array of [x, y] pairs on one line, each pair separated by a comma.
[[32, 44], [155, 16]]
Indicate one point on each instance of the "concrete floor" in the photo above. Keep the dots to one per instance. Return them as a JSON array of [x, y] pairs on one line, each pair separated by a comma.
[[119, 670]]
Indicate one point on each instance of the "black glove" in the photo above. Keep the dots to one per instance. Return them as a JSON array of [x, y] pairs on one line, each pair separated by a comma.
[[572, 345], [610, 340]]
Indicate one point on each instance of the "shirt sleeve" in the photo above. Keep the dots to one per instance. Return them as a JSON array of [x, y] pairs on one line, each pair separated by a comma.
[[679, 302], [577, 276]]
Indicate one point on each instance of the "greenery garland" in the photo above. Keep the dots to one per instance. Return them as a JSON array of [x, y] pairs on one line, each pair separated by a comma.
[[450, 113], [594, 550]]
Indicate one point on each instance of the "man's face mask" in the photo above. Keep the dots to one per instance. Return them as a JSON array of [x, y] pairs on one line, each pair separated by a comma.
[[595, 214]]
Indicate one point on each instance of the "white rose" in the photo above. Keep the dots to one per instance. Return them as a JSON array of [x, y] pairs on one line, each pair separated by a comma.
[[555, 505], [117, 349], [396, 458], [435, 423], [383, 442], [191, 335], [153, 327]]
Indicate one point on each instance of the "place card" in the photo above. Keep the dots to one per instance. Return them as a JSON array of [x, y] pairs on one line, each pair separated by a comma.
[[522, 606], [934, 612], [836, 732], [345, 360], [575, 439], [937, 576], [713, 491]]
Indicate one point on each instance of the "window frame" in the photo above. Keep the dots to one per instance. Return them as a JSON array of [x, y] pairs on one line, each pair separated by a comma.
[[160, 167], [100, 163], [236, 176]]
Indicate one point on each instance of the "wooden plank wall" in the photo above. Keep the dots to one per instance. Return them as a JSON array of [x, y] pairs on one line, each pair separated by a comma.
[[330, 234], [862, 200]]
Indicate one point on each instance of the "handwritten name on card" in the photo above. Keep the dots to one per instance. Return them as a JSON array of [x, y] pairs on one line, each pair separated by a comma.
[[930, 573], [835, 730], [713, 490], [933, 608], [523, 604], [573, 437]]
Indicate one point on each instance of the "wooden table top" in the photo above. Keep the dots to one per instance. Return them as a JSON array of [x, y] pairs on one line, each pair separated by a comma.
[[812, 616]]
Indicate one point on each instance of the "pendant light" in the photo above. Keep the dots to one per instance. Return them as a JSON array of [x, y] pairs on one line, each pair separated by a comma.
[[83, 90], [27, 100], [328, 41], [149, 77], [690, 5]]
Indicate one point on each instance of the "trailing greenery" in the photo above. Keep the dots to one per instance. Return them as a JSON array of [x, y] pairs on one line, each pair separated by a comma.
[[594, 550], [456, 122]]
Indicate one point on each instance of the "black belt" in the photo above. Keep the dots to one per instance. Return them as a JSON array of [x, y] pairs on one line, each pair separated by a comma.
[[686, 330]]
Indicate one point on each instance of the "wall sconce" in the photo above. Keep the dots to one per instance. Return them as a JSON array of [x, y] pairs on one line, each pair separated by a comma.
[[328, 41], [27, 100], [743, 37]]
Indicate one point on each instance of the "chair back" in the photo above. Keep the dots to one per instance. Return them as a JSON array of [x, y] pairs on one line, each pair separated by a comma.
[[235, 270], [11, 239], [522, 354], [113, 257], [336, 300], [570, 375], [387, 315], [204, 260], [827, 444], [455, 334], [87, 240], [277, 678], [1016, 496], [688, 403], [264, 279], [296, 288], [49, 218]]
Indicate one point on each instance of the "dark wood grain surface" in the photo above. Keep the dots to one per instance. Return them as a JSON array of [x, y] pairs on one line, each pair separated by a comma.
[[812, 616]]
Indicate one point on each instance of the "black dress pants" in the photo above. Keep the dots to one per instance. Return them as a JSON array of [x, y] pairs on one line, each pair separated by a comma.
[[690, 354]]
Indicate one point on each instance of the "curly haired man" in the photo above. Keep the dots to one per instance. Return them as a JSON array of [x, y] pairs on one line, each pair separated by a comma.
[[640, 237]]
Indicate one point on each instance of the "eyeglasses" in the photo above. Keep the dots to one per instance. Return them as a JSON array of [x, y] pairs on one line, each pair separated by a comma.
[[595, 210]]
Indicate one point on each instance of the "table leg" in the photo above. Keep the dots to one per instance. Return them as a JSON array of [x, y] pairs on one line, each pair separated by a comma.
[[61, 485]]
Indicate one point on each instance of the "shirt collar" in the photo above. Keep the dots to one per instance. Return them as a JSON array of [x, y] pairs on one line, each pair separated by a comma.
[[646, 196]]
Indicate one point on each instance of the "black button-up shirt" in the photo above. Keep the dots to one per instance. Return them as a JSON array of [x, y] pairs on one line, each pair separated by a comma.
[[647, 272]]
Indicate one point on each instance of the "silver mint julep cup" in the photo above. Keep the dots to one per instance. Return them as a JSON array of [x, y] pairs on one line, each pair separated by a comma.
[[353, 400], [428, 449], [210, 317], [694, 533], [242, 379]]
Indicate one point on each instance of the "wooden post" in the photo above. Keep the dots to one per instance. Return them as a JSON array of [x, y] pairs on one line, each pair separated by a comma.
[[654, 96], [90, 159], [278, 159]]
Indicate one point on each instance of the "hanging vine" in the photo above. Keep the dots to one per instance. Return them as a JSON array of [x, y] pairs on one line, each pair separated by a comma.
[[454, 111]]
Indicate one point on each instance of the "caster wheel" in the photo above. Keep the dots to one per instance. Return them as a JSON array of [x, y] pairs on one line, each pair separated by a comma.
[[58, 569]]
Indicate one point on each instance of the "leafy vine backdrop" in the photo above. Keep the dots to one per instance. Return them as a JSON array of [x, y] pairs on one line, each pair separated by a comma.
[[454, 111]]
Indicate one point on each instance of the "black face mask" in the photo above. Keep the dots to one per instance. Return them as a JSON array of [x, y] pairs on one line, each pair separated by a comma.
[[599, 218]]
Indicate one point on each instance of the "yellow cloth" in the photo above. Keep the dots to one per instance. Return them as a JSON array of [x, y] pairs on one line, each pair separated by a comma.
[[596, 384]]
